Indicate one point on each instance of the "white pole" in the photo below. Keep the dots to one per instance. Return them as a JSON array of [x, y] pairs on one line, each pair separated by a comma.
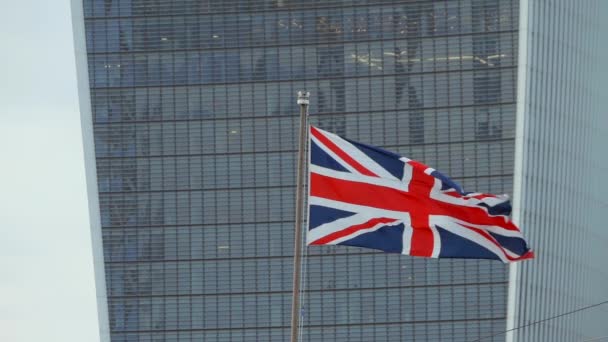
[[297, 250]]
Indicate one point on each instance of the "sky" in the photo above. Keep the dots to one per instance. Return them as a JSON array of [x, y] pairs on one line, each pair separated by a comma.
[[47, 287]]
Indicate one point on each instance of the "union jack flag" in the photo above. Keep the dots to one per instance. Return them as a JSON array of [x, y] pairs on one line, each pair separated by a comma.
[[364, 196]]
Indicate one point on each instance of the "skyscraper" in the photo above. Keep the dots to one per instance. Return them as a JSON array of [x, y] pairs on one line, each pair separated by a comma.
[[559, 171], [189, 120]]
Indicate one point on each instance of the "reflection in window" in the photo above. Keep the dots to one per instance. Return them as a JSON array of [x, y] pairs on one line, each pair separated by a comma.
[[488, 130], [416, 117]]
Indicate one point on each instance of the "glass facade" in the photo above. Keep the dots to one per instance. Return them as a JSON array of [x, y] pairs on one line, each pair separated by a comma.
[[195, 135]]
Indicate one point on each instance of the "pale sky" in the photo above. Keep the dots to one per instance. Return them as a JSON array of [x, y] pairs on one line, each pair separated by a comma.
[[47, 288]]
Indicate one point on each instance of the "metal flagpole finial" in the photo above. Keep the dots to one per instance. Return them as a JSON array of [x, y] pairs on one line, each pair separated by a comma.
[[303, 97]]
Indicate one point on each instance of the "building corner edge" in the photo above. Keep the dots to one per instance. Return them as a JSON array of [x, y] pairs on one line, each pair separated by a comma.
[[86, 121], [522, 70]]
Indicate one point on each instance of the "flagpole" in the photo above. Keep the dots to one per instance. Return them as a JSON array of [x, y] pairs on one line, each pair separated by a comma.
[[297, 250]]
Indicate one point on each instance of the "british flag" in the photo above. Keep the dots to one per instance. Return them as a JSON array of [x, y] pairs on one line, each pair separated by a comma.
[[364, 196]]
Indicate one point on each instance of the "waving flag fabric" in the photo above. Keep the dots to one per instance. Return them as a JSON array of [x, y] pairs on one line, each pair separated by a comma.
[[364, 196]]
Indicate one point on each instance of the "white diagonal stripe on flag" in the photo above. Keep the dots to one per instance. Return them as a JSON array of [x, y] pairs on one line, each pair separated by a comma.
[[335, 226], [492, 229], [359, 156], [355, 208], [333, 155], [343, 224], [364, 231], [450, 225], [388, 183]]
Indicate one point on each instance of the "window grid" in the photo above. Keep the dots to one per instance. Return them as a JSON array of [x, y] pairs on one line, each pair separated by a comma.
[[194, 124]]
